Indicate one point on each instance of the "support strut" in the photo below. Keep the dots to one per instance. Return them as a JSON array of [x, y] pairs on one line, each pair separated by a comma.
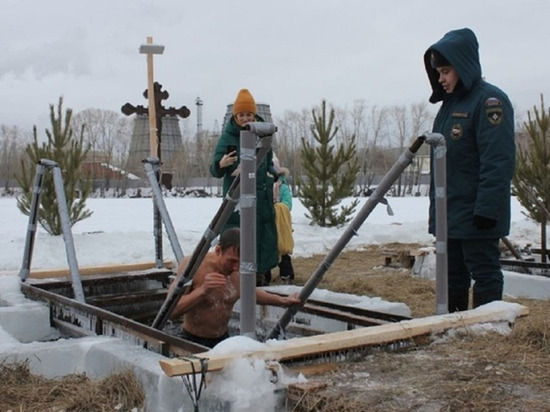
[[43, 166], [152, 168], [404, 160]]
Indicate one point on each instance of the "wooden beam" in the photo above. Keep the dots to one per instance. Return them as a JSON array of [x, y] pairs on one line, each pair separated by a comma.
[[153, 135], [345, 340], [96, 270]]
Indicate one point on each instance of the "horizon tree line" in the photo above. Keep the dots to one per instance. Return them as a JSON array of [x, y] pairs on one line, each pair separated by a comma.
[[381, 134]]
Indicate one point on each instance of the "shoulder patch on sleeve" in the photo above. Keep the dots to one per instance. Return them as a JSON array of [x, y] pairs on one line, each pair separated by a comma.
[[494, 110], [493, 101], [494, 115]]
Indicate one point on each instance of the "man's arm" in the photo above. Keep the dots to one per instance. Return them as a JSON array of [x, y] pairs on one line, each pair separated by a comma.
[[265, 298], [186, 302]]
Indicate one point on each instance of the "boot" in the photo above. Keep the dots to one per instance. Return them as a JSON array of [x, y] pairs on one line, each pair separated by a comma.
[[286, 271], [267, 278], [457, 302]]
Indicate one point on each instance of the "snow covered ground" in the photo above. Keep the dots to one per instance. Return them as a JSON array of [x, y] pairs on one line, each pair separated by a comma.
[[121, 231]]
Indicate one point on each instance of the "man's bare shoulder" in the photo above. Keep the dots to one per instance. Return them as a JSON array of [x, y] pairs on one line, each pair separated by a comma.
[[183, 264], [207, 263]]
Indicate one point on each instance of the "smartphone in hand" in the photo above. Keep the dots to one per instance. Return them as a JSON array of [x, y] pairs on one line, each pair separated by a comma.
[[232, 148]]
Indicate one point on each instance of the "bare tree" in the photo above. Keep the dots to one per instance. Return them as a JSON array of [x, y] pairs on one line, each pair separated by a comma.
[[360, 122], [102, 130], [370, 157], [342, 118], [378, 120], [401, 125], [120, 155], [361, 132], [421, 118], [408, 123], [196, 157], [287, 142], [12, 141], [204, 148]]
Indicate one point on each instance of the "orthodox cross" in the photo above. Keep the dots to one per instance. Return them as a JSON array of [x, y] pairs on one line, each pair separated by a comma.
[[156, 112], [160, 111]]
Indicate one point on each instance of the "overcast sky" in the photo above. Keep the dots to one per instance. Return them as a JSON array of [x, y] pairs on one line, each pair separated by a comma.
[[289, 53]]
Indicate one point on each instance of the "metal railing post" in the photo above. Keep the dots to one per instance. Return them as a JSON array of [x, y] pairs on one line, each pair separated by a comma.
[[33, 220], [152, 165], [437, 141], [248, 266], [45, 164]]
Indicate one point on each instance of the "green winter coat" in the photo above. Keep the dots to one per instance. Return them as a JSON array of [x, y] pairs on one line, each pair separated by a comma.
[[285, 195], [477, 121], [266, 233]]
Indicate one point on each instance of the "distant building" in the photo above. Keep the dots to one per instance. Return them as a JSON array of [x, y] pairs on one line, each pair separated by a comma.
[[98, 170], [105, 176], [171, 144], [264, 112]]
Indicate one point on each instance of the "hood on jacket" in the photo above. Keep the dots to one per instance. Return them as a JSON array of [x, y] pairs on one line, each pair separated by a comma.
[[461, 49]]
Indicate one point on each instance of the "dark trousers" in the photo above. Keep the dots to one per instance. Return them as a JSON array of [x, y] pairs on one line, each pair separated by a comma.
[[286, 270], [477, 260], [210, 342], [263, 278]]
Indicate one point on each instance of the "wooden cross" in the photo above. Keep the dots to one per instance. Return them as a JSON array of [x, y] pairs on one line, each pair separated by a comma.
[[155, 96], [160, 112]]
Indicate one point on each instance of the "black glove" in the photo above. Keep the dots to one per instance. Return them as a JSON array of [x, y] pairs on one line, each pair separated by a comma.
[[484, 223]]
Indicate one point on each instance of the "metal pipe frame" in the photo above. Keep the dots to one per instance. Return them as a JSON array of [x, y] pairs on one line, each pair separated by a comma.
[[42, 166], [152, 167]]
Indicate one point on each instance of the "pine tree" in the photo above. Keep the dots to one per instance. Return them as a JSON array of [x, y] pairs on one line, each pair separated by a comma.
[[69, 153], [330, 172], [531, 183]]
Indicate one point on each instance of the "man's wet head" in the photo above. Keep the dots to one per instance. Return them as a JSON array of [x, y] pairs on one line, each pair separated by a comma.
[[228, 251]]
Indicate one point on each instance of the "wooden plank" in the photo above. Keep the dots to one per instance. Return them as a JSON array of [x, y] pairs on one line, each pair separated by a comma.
[[341, 315], [96, 270], [537, 251], [419, 252], [118, 299], [341, 341], [314, 369]]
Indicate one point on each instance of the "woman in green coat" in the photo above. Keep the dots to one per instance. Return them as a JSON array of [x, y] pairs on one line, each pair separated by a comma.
[[225, 164]]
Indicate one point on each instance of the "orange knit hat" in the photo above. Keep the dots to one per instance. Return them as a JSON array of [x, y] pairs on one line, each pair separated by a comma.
[[244, 103]]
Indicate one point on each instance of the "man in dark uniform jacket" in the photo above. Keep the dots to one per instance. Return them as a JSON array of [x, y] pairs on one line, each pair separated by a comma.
[[477, 121]]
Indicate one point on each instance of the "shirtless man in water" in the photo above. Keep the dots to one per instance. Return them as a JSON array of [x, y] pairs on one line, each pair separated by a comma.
[[207, 304]]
